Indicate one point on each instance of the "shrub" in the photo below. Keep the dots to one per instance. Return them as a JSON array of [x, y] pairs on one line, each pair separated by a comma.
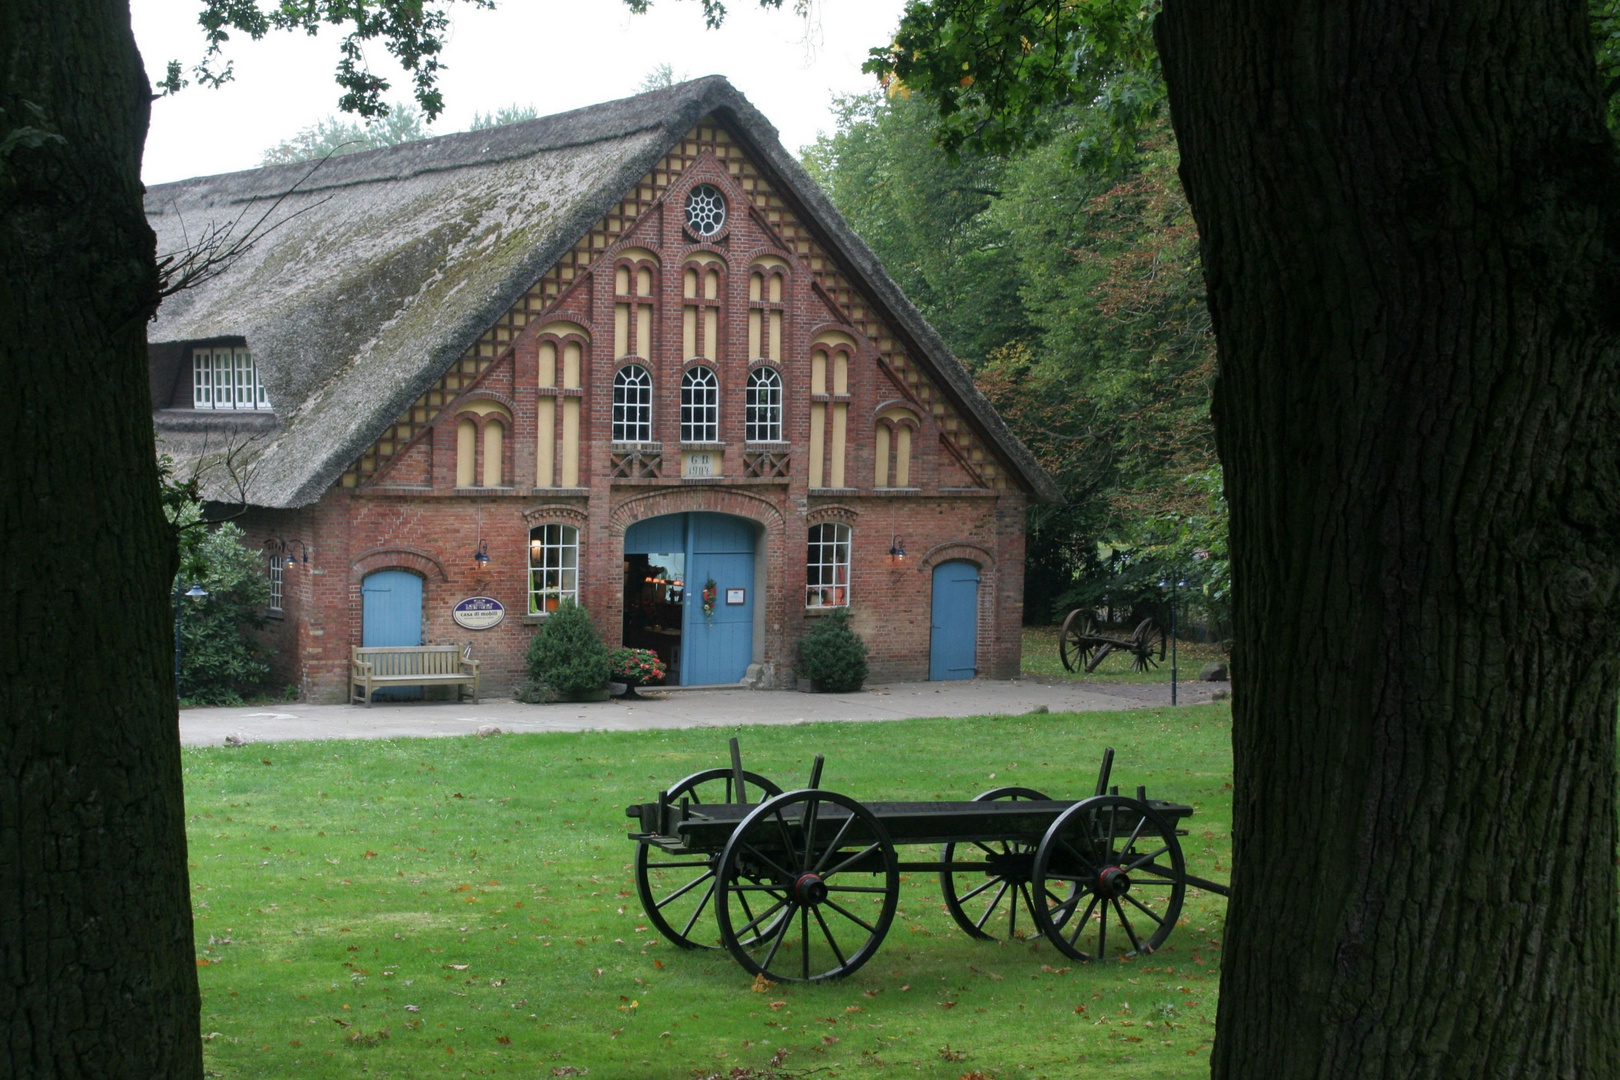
[[219, 662], [535, 692], [831, 656], [637, 667], [566, 654]]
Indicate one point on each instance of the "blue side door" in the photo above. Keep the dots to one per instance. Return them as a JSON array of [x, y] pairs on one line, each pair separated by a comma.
[[718, 648], [954, 626], [391, 614]]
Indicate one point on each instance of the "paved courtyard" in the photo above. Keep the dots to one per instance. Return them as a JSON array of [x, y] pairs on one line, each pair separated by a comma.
[[675, 709]]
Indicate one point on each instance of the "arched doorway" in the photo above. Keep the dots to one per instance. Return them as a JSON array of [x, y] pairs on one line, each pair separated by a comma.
[[954, 623], [391, 614], [667, 562]]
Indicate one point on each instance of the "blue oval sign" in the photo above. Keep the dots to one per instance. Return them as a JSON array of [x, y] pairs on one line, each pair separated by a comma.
[[478, 612]]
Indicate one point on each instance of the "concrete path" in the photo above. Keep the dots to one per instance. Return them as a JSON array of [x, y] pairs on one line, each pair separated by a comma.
[[674, 709]]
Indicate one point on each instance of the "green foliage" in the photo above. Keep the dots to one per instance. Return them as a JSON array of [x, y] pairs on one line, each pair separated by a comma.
[[220, 663], [661, 77], [535, 692], [511, 114], [567, 654], [637, 667], [831, 655], [332, 136]]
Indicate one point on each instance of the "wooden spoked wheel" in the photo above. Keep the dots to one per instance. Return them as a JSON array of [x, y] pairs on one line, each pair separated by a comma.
[[988, 908], [1074, 643], [676, 890], [1147, 640], [809, 884], [1110, 879]]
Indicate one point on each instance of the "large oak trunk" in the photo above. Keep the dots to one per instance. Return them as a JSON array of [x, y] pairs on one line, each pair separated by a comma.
[[97, 977], [1408, 216]]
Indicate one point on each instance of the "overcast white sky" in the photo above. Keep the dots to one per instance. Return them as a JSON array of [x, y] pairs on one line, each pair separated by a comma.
[[554, 55]]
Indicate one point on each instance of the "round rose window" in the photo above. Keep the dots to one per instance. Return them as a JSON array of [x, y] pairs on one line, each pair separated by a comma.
[[705, 210]]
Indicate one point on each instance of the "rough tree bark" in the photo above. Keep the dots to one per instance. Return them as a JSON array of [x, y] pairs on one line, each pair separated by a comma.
[[97, 977], [1409, 223]]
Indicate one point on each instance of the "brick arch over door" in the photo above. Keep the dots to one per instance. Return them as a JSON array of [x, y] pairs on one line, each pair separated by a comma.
[[695, 500], [415, 560], [957, 549]]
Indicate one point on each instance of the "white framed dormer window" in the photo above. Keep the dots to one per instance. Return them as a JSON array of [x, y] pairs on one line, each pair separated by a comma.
[[224, 377], [826, 578]]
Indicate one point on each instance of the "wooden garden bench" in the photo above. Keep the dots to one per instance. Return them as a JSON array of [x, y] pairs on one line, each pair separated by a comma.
[[372, 668]]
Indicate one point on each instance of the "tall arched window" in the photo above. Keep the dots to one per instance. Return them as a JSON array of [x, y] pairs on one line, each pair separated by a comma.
[[762, 419], [700, 406], [553, 567], [632, 405], [826, 578]]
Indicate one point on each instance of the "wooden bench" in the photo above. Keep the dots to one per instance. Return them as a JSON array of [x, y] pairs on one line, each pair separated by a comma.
[[378, 666]]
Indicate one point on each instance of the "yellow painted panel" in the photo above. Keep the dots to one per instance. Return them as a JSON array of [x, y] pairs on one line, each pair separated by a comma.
[[563, 327], [689, 333], [548, 363], [776, 335], [770, 260], [711, 285], [711, 332], [621, 281], [880, 475], [644, 330], [621, 330], [776, 288], [643, 282], [835, 337], [570, 442], [902, 457], [755, 286], [494, 447], [641, 253], [818, 372], [484, 408], [546, 443], [690, 282], [753, 332], [840, 426], [571, 366], [466, 454], [841, 373], [818, 416]]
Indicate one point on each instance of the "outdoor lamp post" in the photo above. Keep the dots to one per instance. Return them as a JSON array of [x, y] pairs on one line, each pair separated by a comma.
[[195, 592], [1173, 587]]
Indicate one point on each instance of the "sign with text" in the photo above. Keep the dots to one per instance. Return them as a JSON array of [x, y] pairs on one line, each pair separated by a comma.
[[736, 596], [699, 464], [478, 612]]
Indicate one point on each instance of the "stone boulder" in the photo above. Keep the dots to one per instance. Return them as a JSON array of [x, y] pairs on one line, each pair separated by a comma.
[[1214, 671]]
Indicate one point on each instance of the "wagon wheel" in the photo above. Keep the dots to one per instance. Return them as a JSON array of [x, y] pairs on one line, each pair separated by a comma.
[[1074, 646], [977, 910], [1148, 638], [821, 873], [1111, 878], [676, 889]]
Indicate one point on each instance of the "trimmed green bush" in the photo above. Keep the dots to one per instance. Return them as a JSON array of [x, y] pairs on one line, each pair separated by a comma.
[[220, 663], [832, 656], [567, 655]]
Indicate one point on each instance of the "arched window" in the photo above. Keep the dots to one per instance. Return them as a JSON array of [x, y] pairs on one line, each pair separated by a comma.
[[700, 406], [632, 405], [826, 578], [553, 567], [762, 419]]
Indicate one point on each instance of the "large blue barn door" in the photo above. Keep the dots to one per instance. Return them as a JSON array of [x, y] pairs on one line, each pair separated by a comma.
[[718, 648], [955, 622], [391, 614]]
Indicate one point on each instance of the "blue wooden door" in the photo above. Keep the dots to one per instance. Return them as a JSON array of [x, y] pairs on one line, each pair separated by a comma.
[[718, 648], [391, 614], [954, 628]]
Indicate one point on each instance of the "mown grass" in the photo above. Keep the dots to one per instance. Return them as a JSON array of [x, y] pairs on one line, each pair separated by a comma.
[[465, 907], [1041, 658]]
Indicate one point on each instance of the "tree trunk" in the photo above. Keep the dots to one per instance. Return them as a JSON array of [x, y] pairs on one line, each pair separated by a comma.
[[97, 976], [1409, 228]]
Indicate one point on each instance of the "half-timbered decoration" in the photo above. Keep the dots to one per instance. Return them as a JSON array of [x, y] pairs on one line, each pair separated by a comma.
[[611, 356]]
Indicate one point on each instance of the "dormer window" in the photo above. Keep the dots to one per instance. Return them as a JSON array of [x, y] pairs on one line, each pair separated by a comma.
[[224, 377]]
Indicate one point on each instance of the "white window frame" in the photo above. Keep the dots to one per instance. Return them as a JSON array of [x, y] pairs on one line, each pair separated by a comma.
[[553, 566], [276, 571], [826, 575], [226, 378], [700, 406], [632, 405], [762, 411]]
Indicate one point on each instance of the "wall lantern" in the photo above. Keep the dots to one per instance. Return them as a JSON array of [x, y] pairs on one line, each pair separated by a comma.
[[897, 549], [282, 550], [481, 556]]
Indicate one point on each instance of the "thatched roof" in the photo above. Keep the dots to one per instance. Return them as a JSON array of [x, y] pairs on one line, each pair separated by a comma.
[[376, 271]]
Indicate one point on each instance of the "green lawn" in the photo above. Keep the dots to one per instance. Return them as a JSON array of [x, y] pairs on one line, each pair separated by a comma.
[[1041, 658], [455, 907]]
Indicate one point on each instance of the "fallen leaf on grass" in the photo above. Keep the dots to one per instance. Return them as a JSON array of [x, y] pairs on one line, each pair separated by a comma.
[[947, 1054], [947, 1004], [413, 1008], [457, 967], [991, 974], [568, 1070], [775, 1005], [761, 983], [504, 1040]]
